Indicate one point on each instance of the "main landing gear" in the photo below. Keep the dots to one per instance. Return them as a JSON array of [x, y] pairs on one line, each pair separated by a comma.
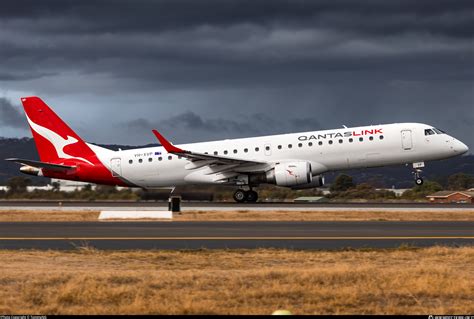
[[249, 196], [417, 173]]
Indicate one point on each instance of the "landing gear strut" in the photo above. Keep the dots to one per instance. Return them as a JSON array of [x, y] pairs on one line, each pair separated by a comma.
[[418, 178], [241, 196], [417, 173]]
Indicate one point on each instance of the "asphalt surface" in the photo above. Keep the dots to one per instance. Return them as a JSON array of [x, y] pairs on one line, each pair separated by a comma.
[[221, 235]]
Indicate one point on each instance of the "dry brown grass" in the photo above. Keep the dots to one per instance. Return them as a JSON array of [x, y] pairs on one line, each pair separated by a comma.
[[316, 215], [416, 281], [242, 215], [48, 216]]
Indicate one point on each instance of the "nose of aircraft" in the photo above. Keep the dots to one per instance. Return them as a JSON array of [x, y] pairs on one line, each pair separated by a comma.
[[459, 147]]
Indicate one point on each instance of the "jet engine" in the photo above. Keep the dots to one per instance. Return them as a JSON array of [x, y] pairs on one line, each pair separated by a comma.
[[290, 174]]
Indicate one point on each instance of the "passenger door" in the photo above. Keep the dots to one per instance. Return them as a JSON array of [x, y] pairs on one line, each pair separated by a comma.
[[407, 142], [116, 167]]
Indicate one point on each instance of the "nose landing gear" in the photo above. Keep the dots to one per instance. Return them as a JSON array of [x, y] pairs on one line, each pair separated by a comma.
[[249, 196], [417, 173], [418, 178]]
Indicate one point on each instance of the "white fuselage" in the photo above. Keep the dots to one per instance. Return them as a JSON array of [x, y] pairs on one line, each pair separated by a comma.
[[328, 150]]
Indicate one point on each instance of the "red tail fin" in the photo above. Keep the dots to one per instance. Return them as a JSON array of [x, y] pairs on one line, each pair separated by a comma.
[[55, 140]]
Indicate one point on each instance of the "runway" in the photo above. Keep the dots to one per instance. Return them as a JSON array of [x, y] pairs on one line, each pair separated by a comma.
[[225, 206], [222, 235]]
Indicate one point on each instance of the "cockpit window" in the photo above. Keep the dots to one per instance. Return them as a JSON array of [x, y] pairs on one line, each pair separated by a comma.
[[429, 132], [439, 131]]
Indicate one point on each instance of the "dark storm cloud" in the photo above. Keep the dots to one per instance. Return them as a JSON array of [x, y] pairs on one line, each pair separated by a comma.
[[10, 116], [191, 122], [24, 76], [337, 61], [188, 35], [151, 16]]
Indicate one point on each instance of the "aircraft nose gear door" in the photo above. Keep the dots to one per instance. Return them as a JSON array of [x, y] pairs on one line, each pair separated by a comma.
[[407, 143], [116, 167]]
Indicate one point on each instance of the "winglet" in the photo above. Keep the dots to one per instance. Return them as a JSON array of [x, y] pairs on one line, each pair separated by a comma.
[[170, 148]]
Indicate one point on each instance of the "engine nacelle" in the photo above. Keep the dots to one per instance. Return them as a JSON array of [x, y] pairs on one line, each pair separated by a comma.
[[317, 181], [290, 174]]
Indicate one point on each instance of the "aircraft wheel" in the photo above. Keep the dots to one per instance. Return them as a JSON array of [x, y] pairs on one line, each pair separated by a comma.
[[251, 196], [419, 181], [240, 196]]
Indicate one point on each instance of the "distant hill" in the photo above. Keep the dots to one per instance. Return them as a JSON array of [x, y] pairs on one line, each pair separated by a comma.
[[398, 176]]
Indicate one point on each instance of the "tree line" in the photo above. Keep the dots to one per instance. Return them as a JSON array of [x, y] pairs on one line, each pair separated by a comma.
[[343, 188]]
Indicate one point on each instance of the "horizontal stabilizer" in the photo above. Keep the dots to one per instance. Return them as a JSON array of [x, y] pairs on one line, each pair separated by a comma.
[[38, 164]]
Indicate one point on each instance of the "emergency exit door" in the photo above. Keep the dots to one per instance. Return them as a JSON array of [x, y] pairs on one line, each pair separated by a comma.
[[407, 142]]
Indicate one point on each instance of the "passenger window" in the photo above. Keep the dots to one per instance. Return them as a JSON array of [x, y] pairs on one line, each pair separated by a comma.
[[130, 161], [267, 148], [330, 141], [340, 141], [225, 152], [169, 158], [140, 161], [160, 158], [351, 140], [257, 149], [300, 144], [320, 143], [279, 147], [361, 139], [235, 151], [246, 150], [215, 153], [290, 146], [150, 159], [371, 138], [381, 137], [310, 144]]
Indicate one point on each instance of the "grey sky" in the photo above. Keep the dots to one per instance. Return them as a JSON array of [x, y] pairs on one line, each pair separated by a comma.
[[202, 70]]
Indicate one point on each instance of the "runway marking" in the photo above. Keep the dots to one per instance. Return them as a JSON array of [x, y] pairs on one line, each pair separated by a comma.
[[237, 238]]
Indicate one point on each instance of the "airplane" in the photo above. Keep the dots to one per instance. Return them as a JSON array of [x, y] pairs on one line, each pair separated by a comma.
[[296, 160]]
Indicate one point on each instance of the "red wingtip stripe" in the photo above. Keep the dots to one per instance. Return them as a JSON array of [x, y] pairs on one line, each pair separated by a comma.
[[170, 148]]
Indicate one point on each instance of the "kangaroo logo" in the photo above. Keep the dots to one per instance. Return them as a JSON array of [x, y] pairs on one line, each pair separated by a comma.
[[56, 140], [291, 173]]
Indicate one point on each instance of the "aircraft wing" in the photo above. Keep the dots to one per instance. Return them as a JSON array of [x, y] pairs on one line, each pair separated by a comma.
[[208, 158], [38, 164]]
